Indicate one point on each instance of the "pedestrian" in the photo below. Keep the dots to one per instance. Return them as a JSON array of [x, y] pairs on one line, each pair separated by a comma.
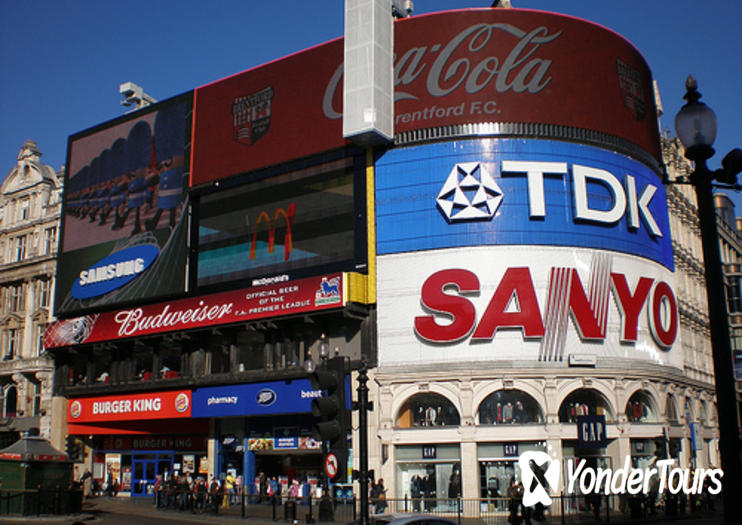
[[378, 496]]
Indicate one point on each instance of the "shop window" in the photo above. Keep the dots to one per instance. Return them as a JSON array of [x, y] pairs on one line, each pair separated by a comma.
[[143, 363], [509, 407], [640, 409], [429, 476], [427, 410], [170, 362], [102, 360], [584, 402]]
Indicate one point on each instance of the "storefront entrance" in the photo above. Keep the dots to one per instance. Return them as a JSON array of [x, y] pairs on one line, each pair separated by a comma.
[[145, 468]]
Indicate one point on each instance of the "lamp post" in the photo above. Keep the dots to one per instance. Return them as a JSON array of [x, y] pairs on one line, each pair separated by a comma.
[[695, 124]]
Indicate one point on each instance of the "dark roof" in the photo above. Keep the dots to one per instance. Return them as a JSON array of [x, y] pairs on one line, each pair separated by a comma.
[[32, 448]]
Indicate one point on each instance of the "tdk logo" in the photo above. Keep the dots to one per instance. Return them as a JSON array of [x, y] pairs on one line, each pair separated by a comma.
[[540, 475], [470, 193]]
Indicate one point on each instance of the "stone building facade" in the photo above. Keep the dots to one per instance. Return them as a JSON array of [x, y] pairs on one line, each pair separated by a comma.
[[30, 201]]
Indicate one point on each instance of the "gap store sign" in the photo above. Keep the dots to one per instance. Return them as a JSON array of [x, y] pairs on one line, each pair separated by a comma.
[[520, 192]]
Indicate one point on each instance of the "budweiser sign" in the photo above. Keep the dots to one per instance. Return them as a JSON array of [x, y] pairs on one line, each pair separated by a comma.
[[275, 300]]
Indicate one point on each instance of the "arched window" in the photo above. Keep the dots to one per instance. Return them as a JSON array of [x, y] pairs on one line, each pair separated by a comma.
[[584, 402], [11, 402], [640, 409], [509, 407], [427, 410], [671, 412]]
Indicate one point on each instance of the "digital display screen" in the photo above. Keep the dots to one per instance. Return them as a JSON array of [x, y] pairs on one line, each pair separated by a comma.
[[286, 224], [124, 229]]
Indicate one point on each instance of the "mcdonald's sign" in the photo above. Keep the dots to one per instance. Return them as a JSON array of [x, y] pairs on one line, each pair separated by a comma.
[[271, 224]]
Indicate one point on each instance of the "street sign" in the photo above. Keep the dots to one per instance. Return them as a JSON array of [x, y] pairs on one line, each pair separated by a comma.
[[331, 465]]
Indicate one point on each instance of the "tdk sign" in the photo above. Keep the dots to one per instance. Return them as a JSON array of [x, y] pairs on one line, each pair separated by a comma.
[[521, 192], [114, 271]]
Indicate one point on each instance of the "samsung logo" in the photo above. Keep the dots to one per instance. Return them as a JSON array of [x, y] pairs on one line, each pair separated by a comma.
[[266, 397], [114, 271]]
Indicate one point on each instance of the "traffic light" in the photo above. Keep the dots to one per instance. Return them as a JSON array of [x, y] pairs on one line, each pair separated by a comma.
[[331, 416]]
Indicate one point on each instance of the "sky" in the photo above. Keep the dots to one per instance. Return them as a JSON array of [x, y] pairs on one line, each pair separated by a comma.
[[61, 62]]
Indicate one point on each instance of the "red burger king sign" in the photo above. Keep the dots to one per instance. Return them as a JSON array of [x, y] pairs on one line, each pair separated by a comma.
[[151, 405]]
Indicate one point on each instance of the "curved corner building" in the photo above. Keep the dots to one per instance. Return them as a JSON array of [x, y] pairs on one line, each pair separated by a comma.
[[507, 267], [527, 293]]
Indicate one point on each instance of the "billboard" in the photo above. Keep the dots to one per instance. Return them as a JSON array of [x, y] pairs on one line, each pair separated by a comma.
[[533, 305], [519, 192], [272, 300], [123, 226], [510, 69], [298, 223]]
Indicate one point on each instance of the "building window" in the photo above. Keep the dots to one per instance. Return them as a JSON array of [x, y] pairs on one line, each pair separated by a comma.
[[40, 331], [10, 406], [16, 297], [509, 407], [584, 402], [43, 293], [50, 240], [428, 410], [12, 344], [25, 209], [640, 409], [20, 248], [36, 392]]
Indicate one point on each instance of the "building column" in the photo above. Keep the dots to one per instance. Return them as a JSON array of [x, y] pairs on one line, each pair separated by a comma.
[[469, 470]]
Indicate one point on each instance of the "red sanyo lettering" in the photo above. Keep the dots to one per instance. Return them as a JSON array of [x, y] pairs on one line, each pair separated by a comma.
[[516, 287]]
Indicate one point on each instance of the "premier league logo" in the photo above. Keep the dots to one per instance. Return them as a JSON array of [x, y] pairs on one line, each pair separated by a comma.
[[470, 193]]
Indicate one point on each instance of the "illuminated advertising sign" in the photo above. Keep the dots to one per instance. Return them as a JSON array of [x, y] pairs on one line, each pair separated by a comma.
[[123, 227], [477, 66], [152, 405], [519, 303], [298, 223], [276, 397], [519, 192], [282, 298]]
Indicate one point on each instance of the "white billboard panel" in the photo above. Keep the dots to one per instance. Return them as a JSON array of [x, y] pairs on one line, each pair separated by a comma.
[[548, 305]]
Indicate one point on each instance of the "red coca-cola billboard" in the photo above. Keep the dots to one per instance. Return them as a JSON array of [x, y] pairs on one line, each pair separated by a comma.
[[499, 66], [273, 300]]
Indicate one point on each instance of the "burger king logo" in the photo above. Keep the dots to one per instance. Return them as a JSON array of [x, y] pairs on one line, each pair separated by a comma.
[[75, 409], [181, 402]]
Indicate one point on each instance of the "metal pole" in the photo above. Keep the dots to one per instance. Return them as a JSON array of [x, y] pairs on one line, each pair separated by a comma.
[[720, 345], [363, 439]]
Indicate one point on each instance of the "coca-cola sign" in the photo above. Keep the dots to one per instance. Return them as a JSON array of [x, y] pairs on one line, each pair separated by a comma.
[[457, 67]]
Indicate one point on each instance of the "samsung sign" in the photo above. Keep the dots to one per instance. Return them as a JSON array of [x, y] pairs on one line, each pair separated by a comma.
[[276, 397], [520, 192], [114, 271]]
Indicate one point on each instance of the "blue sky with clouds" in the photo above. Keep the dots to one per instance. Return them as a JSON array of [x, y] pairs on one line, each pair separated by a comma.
[[62, 62]]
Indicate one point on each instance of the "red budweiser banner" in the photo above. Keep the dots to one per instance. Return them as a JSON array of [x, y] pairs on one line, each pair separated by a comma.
[[455, 67], [152, 405], [282, 298]]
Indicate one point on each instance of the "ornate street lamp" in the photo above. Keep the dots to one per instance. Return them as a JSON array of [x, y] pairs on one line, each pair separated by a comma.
[[695, 124]]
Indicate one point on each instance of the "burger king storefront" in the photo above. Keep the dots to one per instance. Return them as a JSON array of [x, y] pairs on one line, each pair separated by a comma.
[[243, 429], [131, 438]]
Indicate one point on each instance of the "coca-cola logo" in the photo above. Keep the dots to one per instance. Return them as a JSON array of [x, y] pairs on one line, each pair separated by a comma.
[[473, 60]]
